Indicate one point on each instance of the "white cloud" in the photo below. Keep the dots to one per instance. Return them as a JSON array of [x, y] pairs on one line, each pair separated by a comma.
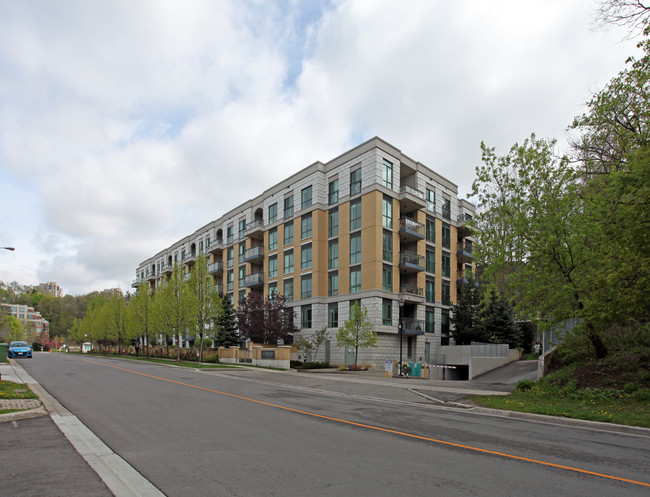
[[126, 125]]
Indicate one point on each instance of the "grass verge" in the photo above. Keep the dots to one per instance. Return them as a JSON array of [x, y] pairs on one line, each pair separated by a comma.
[[597, 404], [10, 390]]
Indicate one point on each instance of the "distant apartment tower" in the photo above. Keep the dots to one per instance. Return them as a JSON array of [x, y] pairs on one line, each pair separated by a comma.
[[50, 288], [371, 225], [32, 321]]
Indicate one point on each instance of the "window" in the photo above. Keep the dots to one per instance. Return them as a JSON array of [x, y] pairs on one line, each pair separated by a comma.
[[183, 255], [273, 239], [305, 197], [200, 247], [429, 321], [355, 248], [305, 316], [207, 242], [230, 255], [230, 234], [242, 276], [333, 315], [333, 192], [333, 223], [446, 236], [430, 261], [446, 267], [305, 226], [242, 295], [273, 266], [355, 182], [273, 213], [387, 175], [355, 279], [288, 290], [333, 283], [288, 233], [288, 207], [387, 212], [355, 214], [387, 312], [431, 231], [430, 290], [230, 281], [444, 321], [431, 200], [446, 298], [446, 208], [288, 262], [388, 246], [305, 286], [242, 228], [305, 256], [273, 289], [387, 279], [242, 252], [333, 254]]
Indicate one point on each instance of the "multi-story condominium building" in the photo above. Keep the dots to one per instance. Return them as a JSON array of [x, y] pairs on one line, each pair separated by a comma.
[[50, 288], [372, 225], [34, 324]]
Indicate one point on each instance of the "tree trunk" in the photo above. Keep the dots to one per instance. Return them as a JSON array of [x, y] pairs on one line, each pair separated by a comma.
[[178, 346], [201, 348], [597, 342]]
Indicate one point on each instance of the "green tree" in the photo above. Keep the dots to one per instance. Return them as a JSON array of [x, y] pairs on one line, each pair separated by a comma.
[[11, 328], [140, 315], [465, 315], [207, 301], [173, 305], [265, 320], [226, 325], [357, 332], [497, 321], [115, 319]]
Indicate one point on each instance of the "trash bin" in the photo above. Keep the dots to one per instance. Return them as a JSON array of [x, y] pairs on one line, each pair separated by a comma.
[[4, 351], [416, 369]]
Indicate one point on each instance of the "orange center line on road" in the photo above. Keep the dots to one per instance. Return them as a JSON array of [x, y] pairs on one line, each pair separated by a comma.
[[385, 430]]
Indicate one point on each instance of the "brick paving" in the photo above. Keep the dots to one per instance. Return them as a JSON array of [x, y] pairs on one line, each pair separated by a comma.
[[19, 404]]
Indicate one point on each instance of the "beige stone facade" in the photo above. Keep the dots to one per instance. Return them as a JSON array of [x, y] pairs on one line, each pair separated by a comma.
[[372, 225]]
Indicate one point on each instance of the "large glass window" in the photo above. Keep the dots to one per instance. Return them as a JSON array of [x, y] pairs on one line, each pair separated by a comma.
[[229, 234], [387, 174], [288, 207], [305, 197], [333, 315], [387, 279], [446, 266], [242, 276], [288, 290], [355, 279], [387, 212], [273, 239], [305, 286], [446, 236], [355, 248], [355, 214], [333, 192], [387, 242], [305, 226], [273, 266], [430, 290], [429, 321], [288, 233], [333, 283], [444, 321], [273, 213], [242, 251], [446, 294], [431, 200], [446, 208], [305, 316], [273, 289], [387, 312], [333, 223], [305, 256], [242, 228], [431, 231], [355, 182], [288, 262], [333, 254], [431, 261]]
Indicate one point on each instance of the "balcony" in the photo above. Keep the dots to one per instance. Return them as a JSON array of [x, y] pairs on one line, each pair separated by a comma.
[[464, 253], [215, 267], [410, 262], [136, 283], [151, 277], [411, 294], [410, 230], [216, 245], [464, 277], [255, 229], [413, 326], [255, 254], [167, 269], [464, 222], [411, 199], [189, 259], [254, 280]]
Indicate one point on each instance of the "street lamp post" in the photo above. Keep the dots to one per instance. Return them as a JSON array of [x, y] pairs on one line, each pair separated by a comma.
[[400, 328]]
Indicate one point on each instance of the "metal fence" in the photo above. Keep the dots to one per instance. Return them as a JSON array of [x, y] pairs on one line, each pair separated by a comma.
[[489, 349]]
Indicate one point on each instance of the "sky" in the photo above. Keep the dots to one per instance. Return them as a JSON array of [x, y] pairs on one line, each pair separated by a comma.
[[126, 125]]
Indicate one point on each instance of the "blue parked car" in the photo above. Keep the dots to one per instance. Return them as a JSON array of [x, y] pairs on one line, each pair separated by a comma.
[[19, 349]]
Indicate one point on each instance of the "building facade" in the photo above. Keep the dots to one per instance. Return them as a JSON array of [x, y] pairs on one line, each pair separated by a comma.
[[33, 323], [50, 288], [371, 225]]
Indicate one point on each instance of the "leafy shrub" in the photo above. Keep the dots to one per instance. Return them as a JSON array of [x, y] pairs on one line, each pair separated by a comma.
[[630, 387], [524, 385], [213, 359]]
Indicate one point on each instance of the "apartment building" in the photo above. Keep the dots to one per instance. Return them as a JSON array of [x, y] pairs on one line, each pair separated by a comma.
[[35, 325], [372, 225], [50, 288]]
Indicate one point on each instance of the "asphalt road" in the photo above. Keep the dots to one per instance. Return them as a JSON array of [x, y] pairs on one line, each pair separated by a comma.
[[253, 433]]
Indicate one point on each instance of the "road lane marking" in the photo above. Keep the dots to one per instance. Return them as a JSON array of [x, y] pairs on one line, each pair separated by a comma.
[[385, 430]]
